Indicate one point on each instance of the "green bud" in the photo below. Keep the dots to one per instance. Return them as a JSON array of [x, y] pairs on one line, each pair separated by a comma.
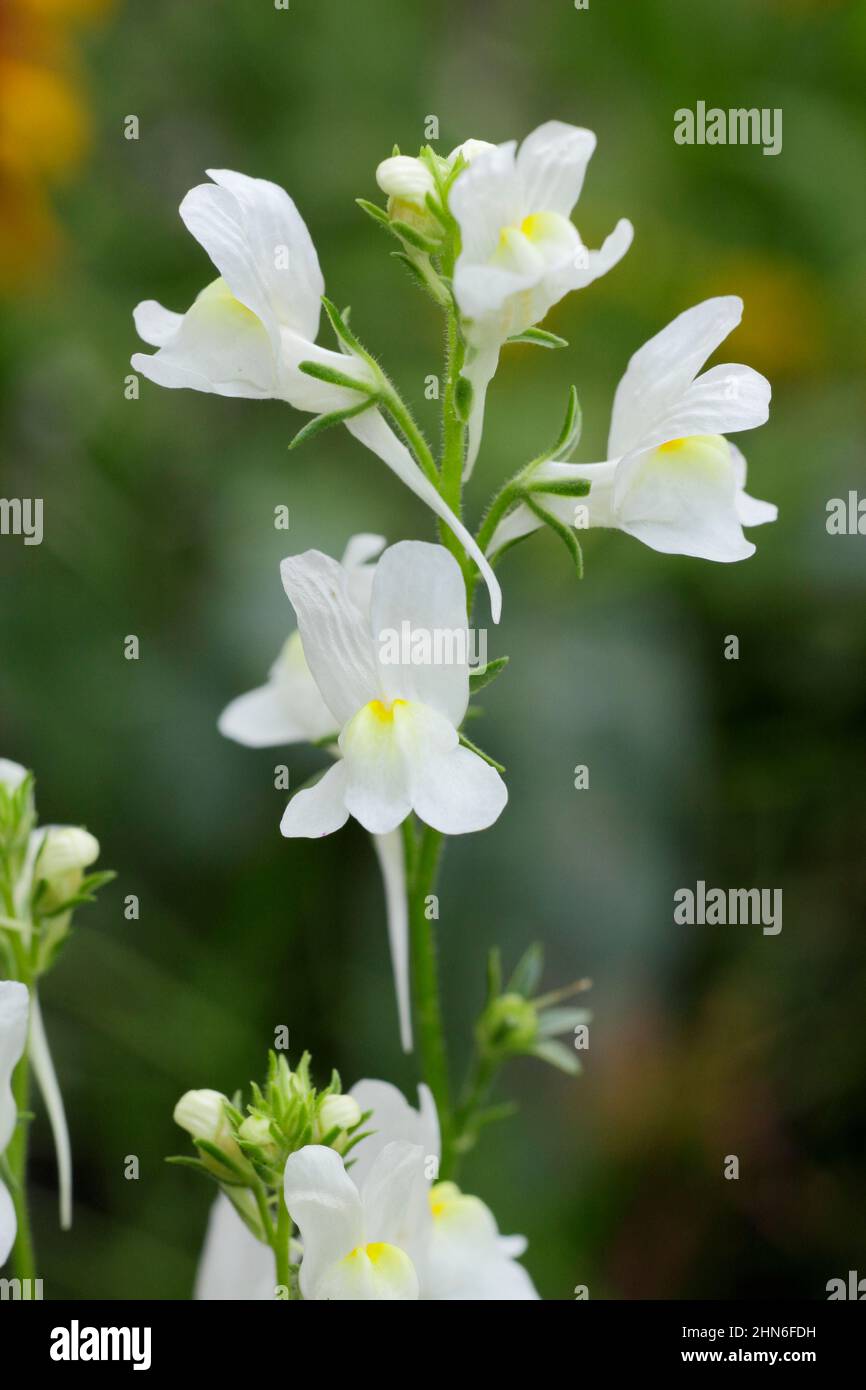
[[508, 1024]]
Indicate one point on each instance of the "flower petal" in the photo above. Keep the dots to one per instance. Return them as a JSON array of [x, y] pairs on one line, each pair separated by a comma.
[[326, 1206], [551, 164], [260, 244], [392, 861], [234, 1265], [220, 347], [393, 1119], [682, 501], [377, 785], [154, 324], [319, 810], [394, 1196], [8, 1224], [261, 719], [46, 1076], [13, 1038], [419, 593], [452, 789], [371, 1273], [750, 510], [335, 634], [660, 372], [485, 197]]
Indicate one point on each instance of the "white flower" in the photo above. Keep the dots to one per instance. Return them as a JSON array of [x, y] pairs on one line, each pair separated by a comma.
[[672, 480], [11, 774], [355, 1238], [202, 1114], [455, 1243], [520, 252], [234, 1265], [398, 740], [289, 709], [248, 332], [13, 1038]]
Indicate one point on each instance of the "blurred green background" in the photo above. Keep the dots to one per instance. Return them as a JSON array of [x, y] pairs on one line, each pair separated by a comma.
[[158, 521]]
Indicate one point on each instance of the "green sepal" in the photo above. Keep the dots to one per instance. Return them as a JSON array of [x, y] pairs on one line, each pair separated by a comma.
[[557, 1055], [527, 972], [216, 1153], [565, 533], [340, 324], [375, 212], [335, 378], [539, 337], [473, 748], [412, 237], [562, 487], [325, 422]]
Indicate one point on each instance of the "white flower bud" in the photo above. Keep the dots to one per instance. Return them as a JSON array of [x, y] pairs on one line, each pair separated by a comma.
[[341, 1112], [11, 774], [405, 179], [202, 1114], [66, 849]]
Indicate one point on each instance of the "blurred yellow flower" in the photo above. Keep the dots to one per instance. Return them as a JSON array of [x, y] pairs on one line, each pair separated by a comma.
[[44, 127]]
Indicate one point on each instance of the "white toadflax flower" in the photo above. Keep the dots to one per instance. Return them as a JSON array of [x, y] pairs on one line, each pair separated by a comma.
[[289, 709], [671, 480], [384, 1230], [397, 723], [520, 251], [13, 1038], [248, 331]]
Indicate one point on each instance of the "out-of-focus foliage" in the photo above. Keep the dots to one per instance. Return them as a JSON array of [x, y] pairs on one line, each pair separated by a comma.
[[159, 521]]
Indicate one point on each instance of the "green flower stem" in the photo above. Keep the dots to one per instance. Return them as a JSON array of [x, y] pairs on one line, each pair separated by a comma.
[[23, 1254], [482, 1074], [401, 413], [425, 983], [282, 1241]]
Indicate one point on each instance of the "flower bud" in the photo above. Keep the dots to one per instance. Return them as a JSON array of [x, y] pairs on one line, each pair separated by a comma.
[[66, 852], [509, 1024], [257, 1130], [202, 1114], [11, 775], [407, 182], [337, 1112]]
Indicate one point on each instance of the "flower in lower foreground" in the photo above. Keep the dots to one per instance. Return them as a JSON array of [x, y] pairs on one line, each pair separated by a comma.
[[13, 1038], [396, 725], [384, 1229], [672, 480], [252, 331]]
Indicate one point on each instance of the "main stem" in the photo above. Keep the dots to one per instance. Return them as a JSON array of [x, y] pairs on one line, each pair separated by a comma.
[[23, 1256], [425, 987]]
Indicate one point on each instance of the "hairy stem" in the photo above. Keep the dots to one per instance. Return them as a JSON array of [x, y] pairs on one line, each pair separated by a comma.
[[425, 985]]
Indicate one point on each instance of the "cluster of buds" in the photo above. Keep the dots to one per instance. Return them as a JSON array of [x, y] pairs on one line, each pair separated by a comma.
[[517, 1022], [43, 874], [246, 1153]]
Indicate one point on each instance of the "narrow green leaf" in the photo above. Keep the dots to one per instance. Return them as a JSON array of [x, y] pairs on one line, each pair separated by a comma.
[[539, 337], [373, 210], [557, 1055], [335, 378], [565, 533], [473, 748], [413, 237], [478, 679], [324, 422]]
